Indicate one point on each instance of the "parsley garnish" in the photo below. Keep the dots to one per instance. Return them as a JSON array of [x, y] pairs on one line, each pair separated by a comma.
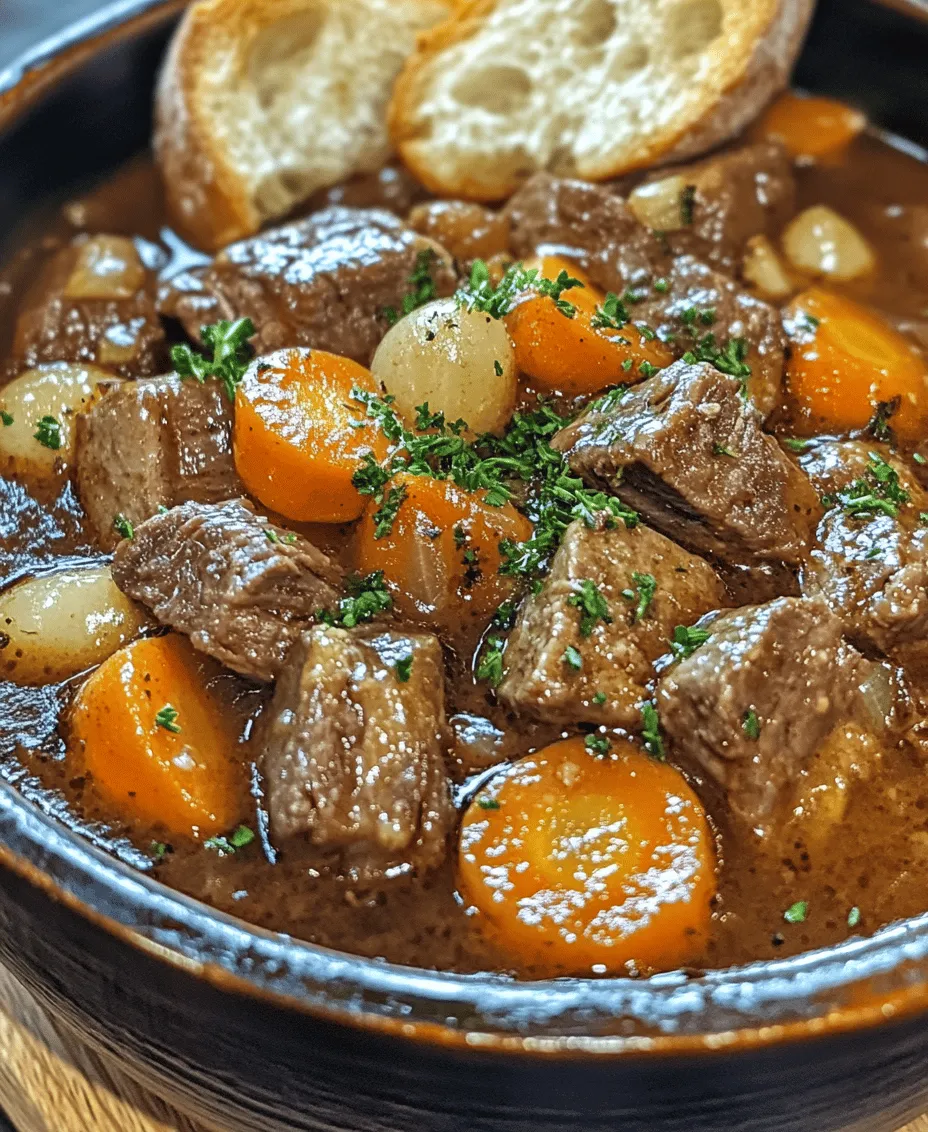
[[486, 803], [611, 315], [919, 458], [609, 400], [6, 417], [750, 725], [231, 354], [795, 444], [879, 423], [497, 368], [686, 640], [687, 204], [167, 718], [878, 490], [572, 658], [597, 744], [729, 359], [853, 917], [123, 527], [651, 731], [642, 594], [403, 669], [366, 597], [592, 605], [490, 667], [48, 433], [599, 698], [237, 840], [481, 295], [273, 536], [796, 913], [385, 517], [721, 450], [158, 850]]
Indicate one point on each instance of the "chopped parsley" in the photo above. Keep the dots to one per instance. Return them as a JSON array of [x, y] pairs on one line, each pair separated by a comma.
[[592, 605], [648, 369], [796, 913], [231, 354], [272, 536], [481, 295], [609, 400], [385, 517], [728, 359], [687, 205], [853, 917], [879, 427], [597, 744], [158, 850], [750, 725], [642, 594], [795, 443], [916, 456], [490, 667], [366, 597], [123, 527], [497, 368], [686, 640], [403, 669], [878, 491], [48, 433], [651, 731], [611, 315], [486, 803], [6, 417], [572, 658], [721, 450], [167, 718], [599, 698], [236, 840]]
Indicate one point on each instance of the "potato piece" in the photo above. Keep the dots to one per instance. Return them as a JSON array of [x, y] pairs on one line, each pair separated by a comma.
[[56, 626], [53, 394], [764, 270], [822, 242], [661, 204], [459, 362]]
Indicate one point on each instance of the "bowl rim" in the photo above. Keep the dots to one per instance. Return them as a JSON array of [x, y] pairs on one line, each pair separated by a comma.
[[859, 984]]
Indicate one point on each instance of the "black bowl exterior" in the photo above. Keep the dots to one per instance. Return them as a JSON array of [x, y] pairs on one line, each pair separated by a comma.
[[253, 1031]]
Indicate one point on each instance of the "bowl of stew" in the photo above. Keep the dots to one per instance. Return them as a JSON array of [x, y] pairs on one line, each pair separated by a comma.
[[365, 765]]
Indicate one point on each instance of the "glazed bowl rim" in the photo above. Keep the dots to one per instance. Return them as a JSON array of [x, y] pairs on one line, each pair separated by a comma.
[[854, 985]]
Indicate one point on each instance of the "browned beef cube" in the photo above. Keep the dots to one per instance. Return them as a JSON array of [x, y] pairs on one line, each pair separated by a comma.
[[752, 705], [563, 665], [686, 449], [871, 567], [151, 444], [702, 307], [586, 223], [324, 282], [739, 193], [241, 588], [354, 748], [93, 302]]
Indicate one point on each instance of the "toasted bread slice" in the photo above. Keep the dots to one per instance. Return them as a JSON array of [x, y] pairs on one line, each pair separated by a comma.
[[586, 88], [261, 102]]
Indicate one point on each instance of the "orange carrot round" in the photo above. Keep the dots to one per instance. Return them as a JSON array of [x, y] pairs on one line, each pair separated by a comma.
[[158, 746], [299, 437], [811, 127], [575, 861], [573, 355], [845, 360], [441, 557]]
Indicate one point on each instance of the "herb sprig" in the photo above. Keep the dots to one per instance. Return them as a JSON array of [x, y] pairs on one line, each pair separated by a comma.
[[231, 354]]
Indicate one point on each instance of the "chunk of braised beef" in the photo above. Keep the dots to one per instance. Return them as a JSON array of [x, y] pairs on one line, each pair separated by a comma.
[[93, 302], [353, 749], [328, 282], [242, 588], [151, 444], [870, 560], [686, 449], [752, 704], [734, 195], [584, 646]]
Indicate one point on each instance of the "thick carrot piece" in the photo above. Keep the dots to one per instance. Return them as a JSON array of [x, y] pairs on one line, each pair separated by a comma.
[[572, 355], [811, 127], [845, 361], [299, 437], [156, 743], [575, 861], [441, 557]]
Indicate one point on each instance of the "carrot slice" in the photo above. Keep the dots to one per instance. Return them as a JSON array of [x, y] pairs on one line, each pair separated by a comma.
[[572, 355], [574, 860], [811, 127], [156, 743], [441, 557], [845, 361], [299, 437]]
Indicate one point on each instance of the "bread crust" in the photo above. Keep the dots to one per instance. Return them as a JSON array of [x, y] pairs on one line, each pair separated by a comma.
[[749, 76]]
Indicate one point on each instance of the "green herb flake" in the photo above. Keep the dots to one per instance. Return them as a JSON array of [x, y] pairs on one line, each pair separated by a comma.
[[662, 286], [612, 314], [123, 527], [6, 417], [270, 535], [878, 491], [48, 433], [853, 917], [231, 354], [385, 516], [878, 426], [498, 301], [572, 658], [916, 456], [486, 803], [497, 369], [167, 718], [599, 698], [592, 605], [796, 913], [686, 640], [158, 850], [721, 450], [597, 745], [490, 667], [238, 839], [651, 731], [687, 205], [750, 725], [403, 669], [642, 595], [795, 444], [366, 598]]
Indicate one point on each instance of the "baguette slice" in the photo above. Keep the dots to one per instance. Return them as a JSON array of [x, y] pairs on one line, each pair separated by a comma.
[[585, 88], [262, 102]]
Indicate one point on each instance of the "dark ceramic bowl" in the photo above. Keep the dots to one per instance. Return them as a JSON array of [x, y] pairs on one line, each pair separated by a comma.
[[252, 1030]]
